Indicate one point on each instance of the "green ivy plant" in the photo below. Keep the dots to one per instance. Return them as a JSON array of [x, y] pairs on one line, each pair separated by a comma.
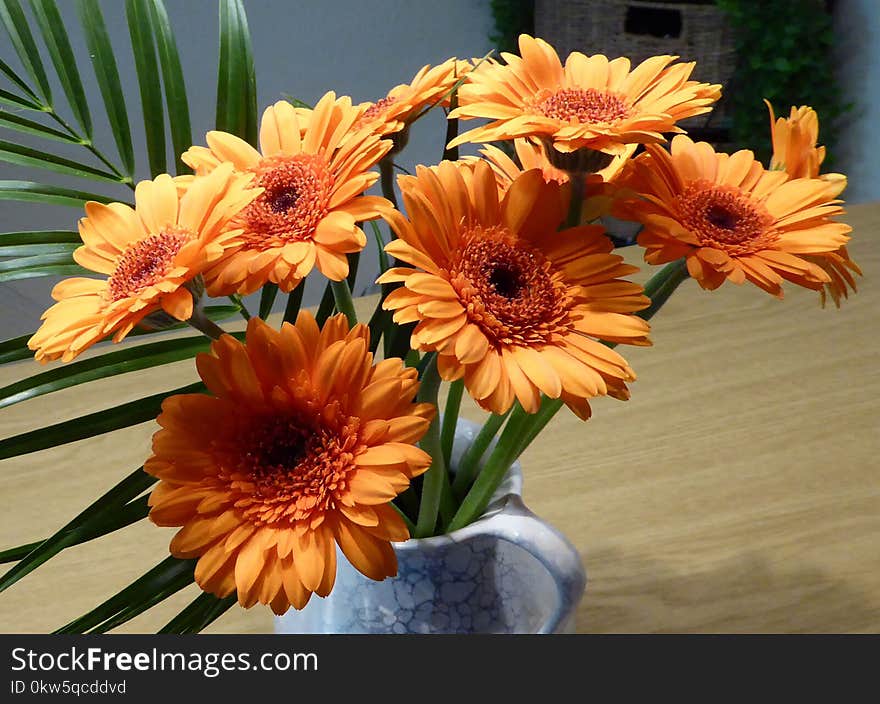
[[512, 18], [784, 49]]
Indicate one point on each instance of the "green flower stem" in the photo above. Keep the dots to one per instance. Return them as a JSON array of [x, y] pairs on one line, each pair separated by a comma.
[[378, 324], [450, 418], [470, 460], [326, 306], [386, 179], [492, 474], [294, 301], [242, 309], [577, 199], [398, 340], [344, 301], [410, 526], [412, 358], [436, 476], [353, 261], [380, 247], [380, 319], [537, 423], [204, 325], [662, 285], [451, 130], [408, 502]]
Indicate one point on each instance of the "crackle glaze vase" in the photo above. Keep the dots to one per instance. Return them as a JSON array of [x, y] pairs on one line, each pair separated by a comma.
[[507, 572]]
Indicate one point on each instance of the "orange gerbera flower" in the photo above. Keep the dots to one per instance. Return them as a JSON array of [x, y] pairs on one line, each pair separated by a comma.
[[795, 151], [794, 146], [313, 180], [151, 255], [731, 218], [302, 447], [590, 102], [403, 102], [597, 195], [509, 304]]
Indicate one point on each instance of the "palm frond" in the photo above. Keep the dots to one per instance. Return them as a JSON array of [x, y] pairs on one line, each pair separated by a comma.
[[32, 110]]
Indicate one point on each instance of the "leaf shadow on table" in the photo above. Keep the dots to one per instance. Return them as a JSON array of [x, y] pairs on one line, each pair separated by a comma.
[[746, 594]]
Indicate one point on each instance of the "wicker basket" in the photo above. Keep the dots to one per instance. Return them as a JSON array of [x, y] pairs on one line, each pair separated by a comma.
[[695, 32]]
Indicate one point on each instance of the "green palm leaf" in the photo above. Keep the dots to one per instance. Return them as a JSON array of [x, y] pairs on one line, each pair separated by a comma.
[[267, 299], [87, 426], [23, 156], [30, 191], [35, 261], [39, 237], [18, 80], [168, 577], [104, 62], [40, 265], [31, 250], [236, 82], [18, 102], [137, 13], [96, 525], [202, 612], [17, 27], [172, 77], [27, 254], [132, 512], [16, 348], [101, 511], [37, 270], [55, 37], [21, 124], [121, 361]]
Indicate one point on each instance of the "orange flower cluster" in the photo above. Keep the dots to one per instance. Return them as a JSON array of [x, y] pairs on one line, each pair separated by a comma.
[[305, 440]]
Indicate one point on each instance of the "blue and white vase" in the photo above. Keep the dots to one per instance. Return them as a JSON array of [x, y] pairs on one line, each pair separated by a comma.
[[507, 572]]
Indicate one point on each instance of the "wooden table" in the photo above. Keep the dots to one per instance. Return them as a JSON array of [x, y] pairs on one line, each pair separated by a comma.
[[738, 490]]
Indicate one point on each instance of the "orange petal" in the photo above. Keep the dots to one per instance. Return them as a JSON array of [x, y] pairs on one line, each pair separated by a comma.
[[178, 304], [371, 556]]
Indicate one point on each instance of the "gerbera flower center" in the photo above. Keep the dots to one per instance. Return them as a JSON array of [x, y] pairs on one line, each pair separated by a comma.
[[378, 108], [726, 218], [509, 289], [583, 105], [146, 262], [507, 281], [296, 196], [287, 468], [374, 113], [721, 217]]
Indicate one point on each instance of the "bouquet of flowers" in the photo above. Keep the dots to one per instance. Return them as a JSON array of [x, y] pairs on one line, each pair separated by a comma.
[[319, 432]]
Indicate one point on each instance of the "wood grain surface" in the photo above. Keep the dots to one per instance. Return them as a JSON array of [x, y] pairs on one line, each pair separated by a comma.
[[737, 491]]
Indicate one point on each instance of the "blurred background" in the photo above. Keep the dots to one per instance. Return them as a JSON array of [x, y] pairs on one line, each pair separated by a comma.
[[793, 52]]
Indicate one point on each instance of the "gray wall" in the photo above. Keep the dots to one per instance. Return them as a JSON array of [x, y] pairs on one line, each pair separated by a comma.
[[301, 47], [857, 25]]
